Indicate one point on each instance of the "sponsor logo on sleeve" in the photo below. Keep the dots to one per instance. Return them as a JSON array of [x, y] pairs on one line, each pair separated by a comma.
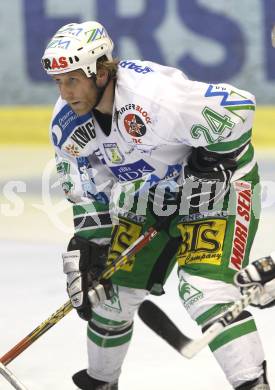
[[243, 217]]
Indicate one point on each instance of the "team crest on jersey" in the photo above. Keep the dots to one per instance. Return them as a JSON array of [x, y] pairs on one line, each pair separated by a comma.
[[134, 125], [113, 153]]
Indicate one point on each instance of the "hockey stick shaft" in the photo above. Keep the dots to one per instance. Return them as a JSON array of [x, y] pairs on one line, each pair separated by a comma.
[[36, 333], [11, 378], [140, 243]]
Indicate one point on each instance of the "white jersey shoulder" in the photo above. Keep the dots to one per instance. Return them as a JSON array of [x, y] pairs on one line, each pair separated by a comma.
[[179, 110]]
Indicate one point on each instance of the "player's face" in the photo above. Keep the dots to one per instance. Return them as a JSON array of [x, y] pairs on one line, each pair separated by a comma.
[[78, 90]]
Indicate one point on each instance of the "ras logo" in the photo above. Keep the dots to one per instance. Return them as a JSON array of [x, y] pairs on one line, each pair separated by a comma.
[[134, 125], [58, 63]]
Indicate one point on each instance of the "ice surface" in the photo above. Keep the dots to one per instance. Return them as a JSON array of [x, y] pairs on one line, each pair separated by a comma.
[[32, 287]]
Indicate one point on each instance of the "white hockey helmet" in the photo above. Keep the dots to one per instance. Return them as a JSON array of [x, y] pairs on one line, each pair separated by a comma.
[[77, 46]]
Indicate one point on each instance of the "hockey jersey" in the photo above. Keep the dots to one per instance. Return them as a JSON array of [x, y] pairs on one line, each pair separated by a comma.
[[158, 117]]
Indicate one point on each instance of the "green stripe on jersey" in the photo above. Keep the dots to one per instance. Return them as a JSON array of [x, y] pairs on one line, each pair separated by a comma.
[[233, 110], [230, 145], [99, 231], [93, 207], [240, 108], [233, 333], [247, 157]]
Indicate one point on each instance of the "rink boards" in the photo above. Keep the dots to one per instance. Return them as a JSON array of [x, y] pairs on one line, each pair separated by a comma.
[[30, 124]]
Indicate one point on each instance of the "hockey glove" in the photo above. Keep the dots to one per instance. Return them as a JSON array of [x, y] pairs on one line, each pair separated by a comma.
[[261, 272], [82, 264], [206, 177]]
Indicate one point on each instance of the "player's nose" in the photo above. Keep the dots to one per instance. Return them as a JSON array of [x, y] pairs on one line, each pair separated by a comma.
[[66, 92]]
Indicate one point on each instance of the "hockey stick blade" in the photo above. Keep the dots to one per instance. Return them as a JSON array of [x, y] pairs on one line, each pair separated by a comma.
[[10, 377], [161, 324]]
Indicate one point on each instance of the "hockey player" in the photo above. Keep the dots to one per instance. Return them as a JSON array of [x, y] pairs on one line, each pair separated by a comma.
[[136, 141]]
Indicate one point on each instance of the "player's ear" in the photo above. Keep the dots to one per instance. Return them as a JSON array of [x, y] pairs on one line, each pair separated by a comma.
[[101, 77]]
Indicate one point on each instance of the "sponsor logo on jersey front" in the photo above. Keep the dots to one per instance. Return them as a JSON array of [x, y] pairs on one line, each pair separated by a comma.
[[202, 241], [135, 121], [136, 107], [132, 171], [72, 149], [243, 217], [67, 118], [83, 134], [79, 138], [134, 125], [113, 153]]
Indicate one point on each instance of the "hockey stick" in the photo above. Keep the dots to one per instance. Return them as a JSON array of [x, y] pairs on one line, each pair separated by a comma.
[[121, 260], [7, 374], [161, 324]]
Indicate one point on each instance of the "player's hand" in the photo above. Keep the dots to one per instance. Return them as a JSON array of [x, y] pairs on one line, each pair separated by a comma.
[[206, 177], [262, 272], [83, 263]]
